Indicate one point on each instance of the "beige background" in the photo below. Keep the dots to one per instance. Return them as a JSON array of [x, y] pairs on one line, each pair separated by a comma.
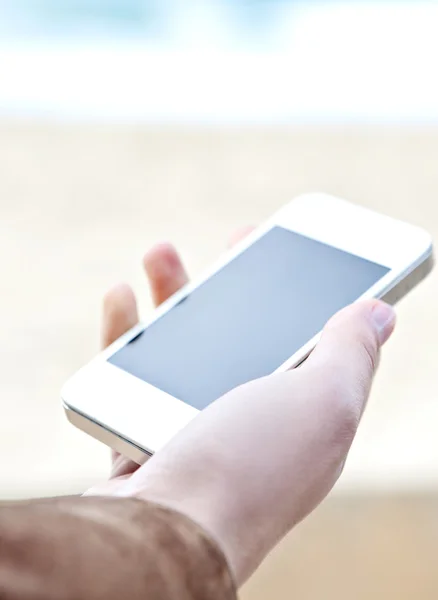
[[78, 207]]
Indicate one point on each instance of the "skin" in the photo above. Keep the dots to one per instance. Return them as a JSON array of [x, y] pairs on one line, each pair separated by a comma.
[[262, 457]]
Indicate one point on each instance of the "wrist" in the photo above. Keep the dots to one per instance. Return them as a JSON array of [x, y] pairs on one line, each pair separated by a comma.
[[201, 508]]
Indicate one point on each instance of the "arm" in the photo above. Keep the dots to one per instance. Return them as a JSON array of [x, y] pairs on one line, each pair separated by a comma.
[[93, 548]]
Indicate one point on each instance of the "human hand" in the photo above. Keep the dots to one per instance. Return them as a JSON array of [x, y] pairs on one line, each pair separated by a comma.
[[258, 460], [166, 275]]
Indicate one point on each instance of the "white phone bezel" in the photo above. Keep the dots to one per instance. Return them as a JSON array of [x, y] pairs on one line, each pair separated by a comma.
[[148, 417]]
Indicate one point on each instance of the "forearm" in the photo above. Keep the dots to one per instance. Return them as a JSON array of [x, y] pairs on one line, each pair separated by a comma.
[[90, 548]]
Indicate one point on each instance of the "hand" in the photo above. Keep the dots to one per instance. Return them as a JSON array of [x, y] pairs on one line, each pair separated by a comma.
[[166, 275], [259, 459]]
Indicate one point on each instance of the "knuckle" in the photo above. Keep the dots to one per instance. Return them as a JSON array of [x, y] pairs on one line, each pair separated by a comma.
[[345, 411], [348, 421], [369, 352], [346, 388]]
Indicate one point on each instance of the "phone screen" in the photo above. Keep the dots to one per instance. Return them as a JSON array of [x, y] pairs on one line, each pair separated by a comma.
[[247, 319]]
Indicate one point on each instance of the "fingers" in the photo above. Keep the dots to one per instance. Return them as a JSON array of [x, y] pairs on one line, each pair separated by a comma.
[[165, 272], [166, 275], [119, 313], [350, 346], [357, 332]]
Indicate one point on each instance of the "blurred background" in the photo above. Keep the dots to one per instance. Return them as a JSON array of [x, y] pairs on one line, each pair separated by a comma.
[[125, 122]]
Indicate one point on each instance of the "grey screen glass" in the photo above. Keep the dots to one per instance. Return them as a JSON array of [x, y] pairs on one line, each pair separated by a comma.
[[248, 318]]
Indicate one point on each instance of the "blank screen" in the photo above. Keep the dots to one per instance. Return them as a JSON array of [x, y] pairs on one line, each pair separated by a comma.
[[247, 319]]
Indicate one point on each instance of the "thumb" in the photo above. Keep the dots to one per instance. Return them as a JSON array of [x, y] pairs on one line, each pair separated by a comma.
[[299, 425], [350, 346]]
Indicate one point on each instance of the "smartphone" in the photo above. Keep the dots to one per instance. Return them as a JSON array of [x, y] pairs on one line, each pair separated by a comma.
[[258, 310]]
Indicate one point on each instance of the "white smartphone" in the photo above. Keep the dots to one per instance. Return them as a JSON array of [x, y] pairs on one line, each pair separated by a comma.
[[260, 309]]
